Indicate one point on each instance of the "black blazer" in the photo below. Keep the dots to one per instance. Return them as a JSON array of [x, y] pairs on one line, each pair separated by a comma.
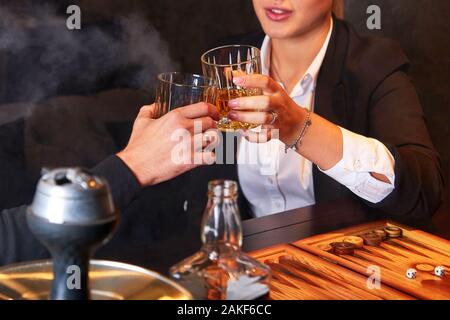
[[363, 86]]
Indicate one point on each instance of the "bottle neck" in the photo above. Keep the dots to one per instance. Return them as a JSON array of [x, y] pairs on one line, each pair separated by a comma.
[[221, 227]]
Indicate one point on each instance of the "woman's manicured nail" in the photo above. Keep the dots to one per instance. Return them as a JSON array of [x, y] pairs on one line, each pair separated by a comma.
[[238, 80], [232, 115], [233, 103]]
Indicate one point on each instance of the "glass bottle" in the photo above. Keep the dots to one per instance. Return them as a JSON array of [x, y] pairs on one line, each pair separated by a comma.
[[220, 270]]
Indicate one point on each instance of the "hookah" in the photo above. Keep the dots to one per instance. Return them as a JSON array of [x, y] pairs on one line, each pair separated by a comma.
[[72, 214]]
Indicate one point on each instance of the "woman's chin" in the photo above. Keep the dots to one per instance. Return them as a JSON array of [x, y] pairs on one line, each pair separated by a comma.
[[280, 30], [278, 33]]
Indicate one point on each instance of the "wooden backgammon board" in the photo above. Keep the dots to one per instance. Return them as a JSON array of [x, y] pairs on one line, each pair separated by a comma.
[[320, 268]]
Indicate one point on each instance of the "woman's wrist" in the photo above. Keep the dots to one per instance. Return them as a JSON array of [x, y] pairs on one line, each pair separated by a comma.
[[290, 130], [301, 135]]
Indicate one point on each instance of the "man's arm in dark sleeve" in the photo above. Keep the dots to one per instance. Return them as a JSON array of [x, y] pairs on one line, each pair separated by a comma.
[[17, 243], [397, 120], [124, 185]]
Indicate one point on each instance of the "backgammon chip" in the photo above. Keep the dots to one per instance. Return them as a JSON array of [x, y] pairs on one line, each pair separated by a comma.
[[381, 233], [357, 241], [326, 247], [268, 261], [372, 239], [424, 267], [393, 232], [343, 248]]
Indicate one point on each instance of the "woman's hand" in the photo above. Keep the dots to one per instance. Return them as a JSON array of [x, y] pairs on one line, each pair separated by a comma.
[[273, 110], [151, 152], [322, 144]]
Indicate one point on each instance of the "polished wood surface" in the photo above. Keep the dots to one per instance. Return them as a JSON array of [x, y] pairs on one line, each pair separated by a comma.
[[302, 270], [299, 275], [393, 257], [301, 223]]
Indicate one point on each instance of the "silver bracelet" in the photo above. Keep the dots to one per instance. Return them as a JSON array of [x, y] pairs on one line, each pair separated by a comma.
[[302, 134]]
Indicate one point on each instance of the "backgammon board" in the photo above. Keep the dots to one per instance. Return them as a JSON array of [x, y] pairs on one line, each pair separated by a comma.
[[314, 268]]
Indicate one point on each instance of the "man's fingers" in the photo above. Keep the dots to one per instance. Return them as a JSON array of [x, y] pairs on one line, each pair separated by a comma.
[[267, 84], [253, 117], [256, 103], [211, 139], [208, 139], [201, 125], [198, 110]]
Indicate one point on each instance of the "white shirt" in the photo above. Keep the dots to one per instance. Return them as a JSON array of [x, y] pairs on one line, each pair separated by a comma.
[[274, 181]]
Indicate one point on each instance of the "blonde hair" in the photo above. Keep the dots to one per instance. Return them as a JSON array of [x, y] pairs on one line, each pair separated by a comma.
[[338, 8]]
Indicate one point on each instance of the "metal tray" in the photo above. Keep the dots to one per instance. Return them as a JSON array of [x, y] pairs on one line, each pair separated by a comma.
[[108, 281]]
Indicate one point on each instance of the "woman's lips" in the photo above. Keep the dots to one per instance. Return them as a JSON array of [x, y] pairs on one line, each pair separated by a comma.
[[278, 14]]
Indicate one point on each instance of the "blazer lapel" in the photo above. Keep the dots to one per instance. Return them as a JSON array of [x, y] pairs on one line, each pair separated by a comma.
[[330, 103], [330, 92]]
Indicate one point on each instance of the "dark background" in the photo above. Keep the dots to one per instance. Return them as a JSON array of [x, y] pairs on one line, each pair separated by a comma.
[[423, 30], [179, 32]]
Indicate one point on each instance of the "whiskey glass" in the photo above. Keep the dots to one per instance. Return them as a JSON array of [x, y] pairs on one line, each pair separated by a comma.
[[223, 64], [178, 89]]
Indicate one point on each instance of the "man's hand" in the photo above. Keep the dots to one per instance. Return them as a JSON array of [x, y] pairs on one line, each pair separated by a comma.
[[150, 150]]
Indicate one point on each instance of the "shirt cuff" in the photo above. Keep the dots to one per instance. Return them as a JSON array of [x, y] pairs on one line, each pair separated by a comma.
[[124, 185], [361, 157]]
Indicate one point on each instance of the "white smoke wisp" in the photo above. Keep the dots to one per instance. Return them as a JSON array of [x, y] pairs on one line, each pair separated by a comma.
[[42, 54]]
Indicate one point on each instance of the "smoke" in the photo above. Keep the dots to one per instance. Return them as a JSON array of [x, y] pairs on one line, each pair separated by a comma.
[[50, 82], [42, 58]]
